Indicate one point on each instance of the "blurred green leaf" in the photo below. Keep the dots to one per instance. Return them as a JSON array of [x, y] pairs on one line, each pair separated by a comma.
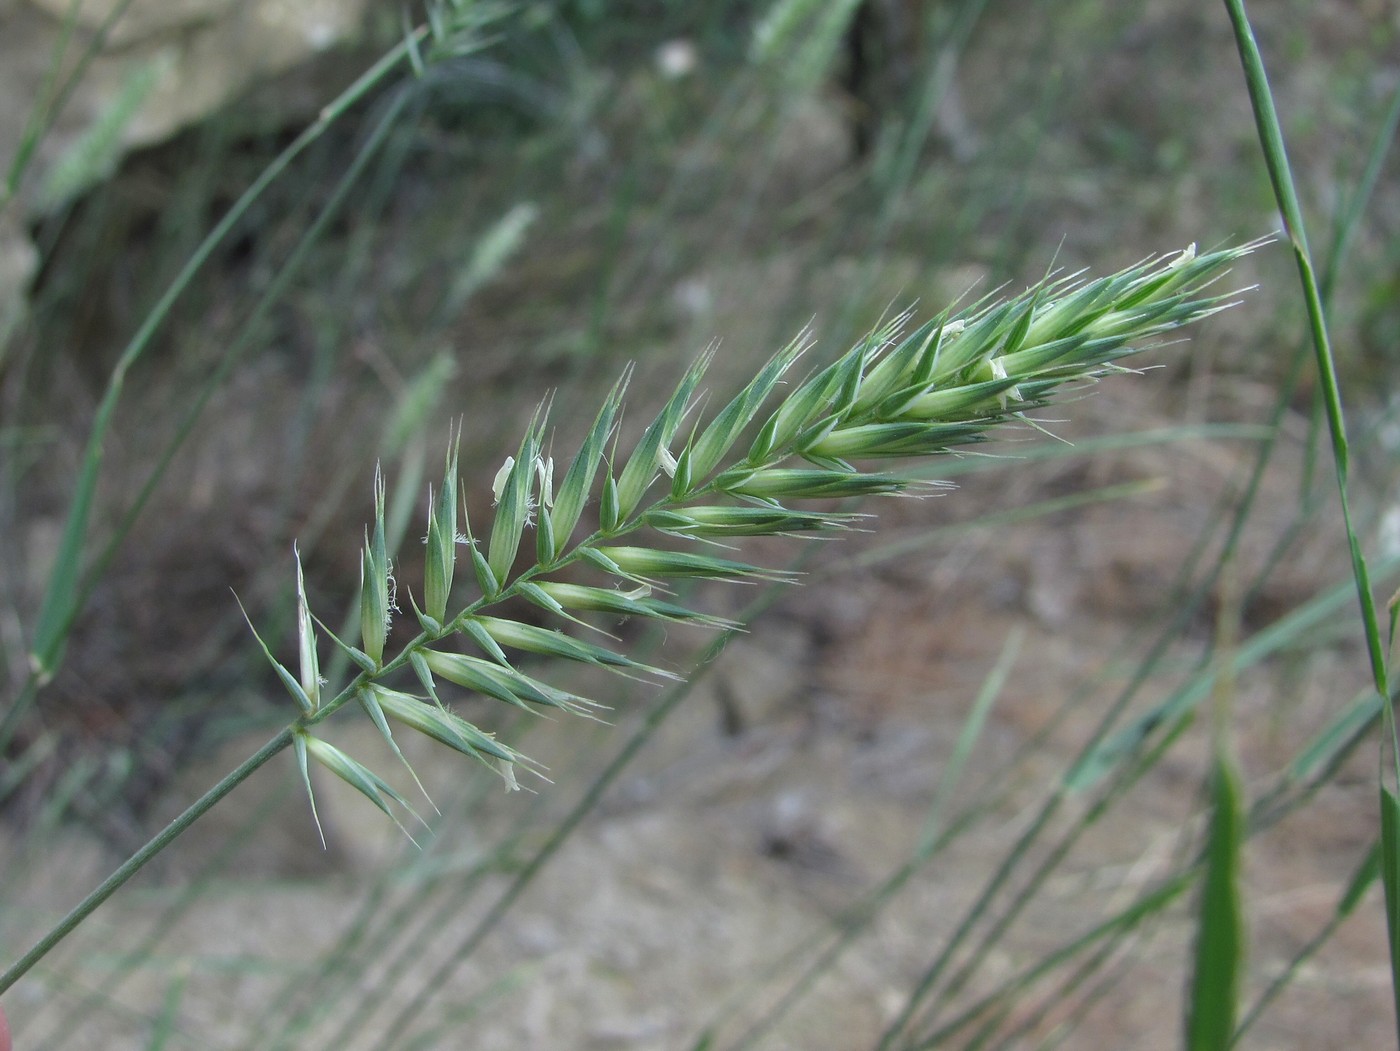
[[1220, 936]]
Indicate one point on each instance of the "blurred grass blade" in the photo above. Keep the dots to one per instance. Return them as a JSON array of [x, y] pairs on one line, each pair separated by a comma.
[[1390, 879], [1366, 874], [801, 38], [1355, 206], [93, 155], [1151, 904], [1335, 738], [166, 1023], [1220, 938], [62, 79], [493, 250], [1286, 631], [971, 732]]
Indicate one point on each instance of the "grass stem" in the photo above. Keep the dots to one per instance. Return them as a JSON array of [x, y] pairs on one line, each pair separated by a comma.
[[1281, 177], [138, 860]]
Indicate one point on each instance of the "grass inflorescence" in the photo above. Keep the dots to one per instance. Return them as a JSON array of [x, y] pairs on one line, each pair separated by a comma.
[[749, 470], [633, 180]]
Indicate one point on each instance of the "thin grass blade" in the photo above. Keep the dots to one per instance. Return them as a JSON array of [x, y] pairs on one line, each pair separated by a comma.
[[1220, 939], [1281, 176], [1390, 880]]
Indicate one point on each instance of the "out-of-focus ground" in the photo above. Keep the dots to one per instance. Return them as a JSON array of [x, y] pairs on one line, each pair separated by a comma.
[[801, 772]]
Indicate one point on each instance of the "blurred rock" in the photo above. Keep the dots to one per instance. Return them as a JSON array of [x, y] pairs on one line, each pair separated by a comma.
[[205, 52], [161, 66]]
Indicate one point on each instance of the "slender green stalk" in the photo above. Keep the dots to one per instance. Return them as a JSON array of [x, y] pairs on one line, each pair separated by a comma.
[[177, 827], [1281, 176], [138, 860], [1276, 158], [1390, 880]]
